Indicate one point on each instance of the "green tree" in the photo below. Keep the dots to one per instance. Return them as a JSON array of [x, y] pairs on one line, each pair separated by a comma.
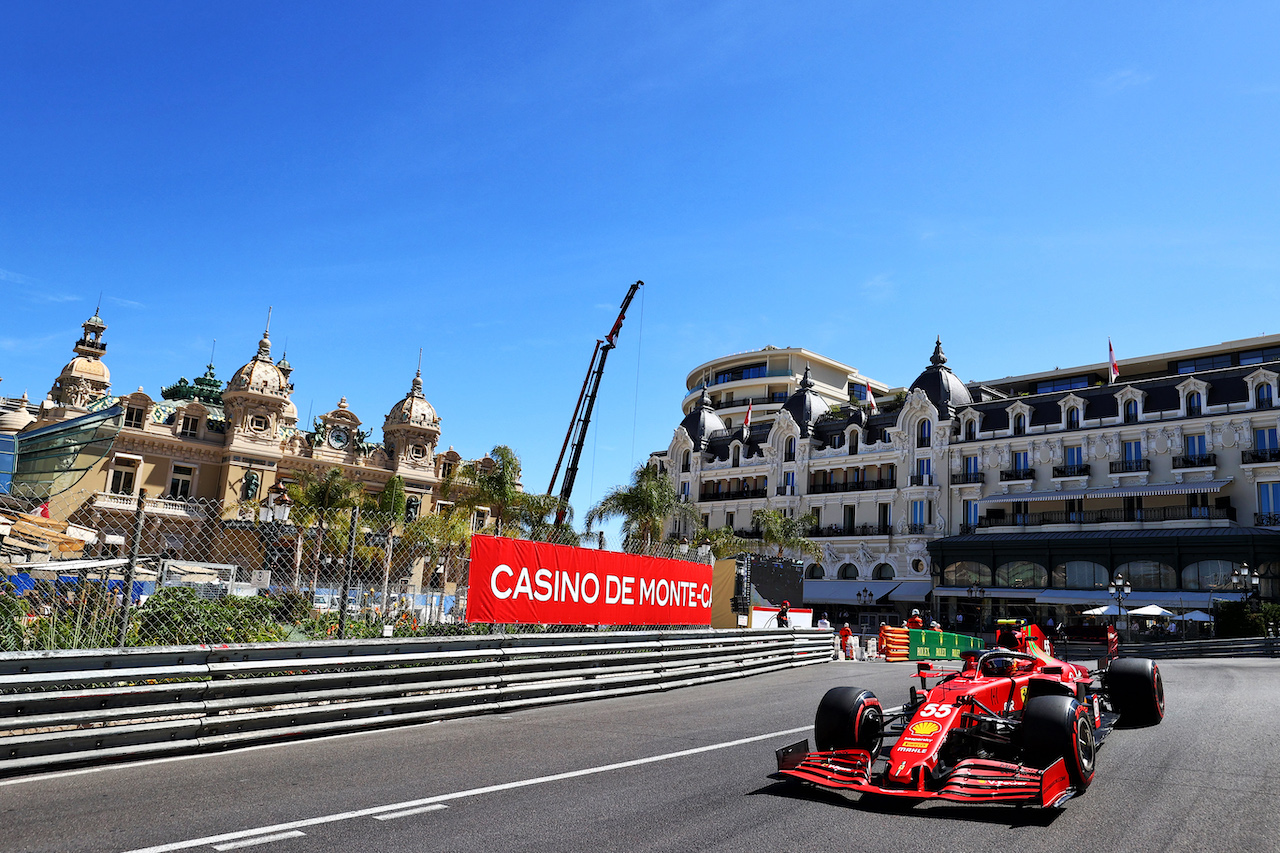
[[495, 486], [644, 507], [390, 516], [535, 518], [781, 531], [439, 539], [724, 542], [316, 499]]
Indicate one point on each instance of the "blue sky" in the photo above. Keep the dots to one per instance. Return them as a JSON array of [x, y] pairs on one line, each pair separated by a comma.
[[484, 180]]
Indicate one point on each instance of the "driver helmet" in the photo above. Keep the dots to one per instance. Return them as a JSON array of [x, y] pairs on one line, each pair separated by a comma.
[[915, 612], [786, 604], [1000, 665]]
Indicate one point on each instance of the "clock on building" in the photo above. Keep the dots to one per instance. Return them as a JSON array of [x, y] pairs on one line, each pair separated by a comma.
[[339, 438]]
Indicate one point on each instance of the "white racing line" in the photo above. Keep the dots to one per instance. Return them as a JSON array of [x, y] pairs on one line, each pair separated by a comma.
[[281, 831]]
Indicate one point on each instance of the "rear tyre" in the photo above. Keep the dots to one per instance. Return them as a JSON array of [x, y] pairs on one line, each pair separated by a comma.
[[849, 718], [1136, 691], [1056, 727]]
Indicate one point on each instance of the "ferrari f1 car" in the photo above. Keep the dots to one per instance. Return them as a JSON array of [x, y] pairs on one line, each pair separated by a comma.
[[1012, 725]]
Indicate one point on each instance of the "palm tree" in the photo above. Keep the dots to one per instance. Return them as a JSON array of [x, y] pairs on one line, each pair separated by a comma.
[[724, 542], [785, 532], [644, 507], [391, 511], [318, 496], [439, 538], [495, 486], [535, 518]]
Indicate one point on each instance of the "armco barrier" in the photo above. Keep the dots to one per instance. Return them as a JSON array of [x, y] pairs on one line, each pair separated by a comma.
[[60, 708]]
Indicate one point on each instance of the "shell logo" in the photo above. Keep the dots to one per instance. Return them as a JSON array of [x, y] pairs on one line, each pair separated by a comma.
[[927, 728]]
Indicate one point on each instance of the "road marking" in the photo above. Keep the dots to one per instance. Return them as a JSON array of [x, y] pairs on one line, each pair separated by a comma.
[[434, 807], [262, 839], [373, 811]]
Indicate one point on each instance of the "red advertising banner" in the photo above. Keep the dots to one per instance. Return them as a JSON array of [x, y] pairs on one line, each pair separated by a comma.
[[518, 581]]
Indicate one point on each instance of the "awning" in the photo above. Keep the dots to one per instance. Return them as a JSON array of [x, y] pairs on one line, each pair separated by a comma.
[[1032, 497], [991, 592], [1198, 487], [1172, 599], [846, 592], [911, 591]]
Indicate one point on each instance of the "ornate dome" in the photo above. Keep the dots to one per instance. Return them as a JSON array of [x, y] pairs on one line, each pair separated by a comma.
[[413, 409], [260, 374], [16, 420], [806, 405], [702, 421], [85, 367], [943, 388]]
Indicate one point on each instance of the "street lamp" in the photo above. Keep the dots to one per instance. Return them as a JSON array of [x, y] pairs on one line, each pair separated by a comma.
[[1244, 581], [866, 597], [978, 593], [1119, 589]]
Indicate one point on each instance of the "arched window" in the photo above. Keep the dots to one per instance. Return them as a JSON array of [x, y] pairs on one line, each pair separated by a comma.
[[1080, 574], [1073, 418], [1019, 424], [1131, 411], [685, 459], [814, 572], [923, 433], [737, 453], [966, 573], [1262, 396], [1208, 574], [848, 572], [970, 431], [1022, 574], [1193, 404], [790, 452], [1149, 574], [883, 572]]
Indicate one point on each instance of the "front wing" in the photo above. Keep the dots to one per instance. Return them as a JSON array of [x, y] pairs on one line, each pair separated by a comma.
[[973, 780]]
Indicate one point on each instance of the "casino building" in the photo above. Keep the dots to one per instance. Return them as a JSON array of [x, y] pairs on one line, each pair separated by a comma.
[[1028, 496]]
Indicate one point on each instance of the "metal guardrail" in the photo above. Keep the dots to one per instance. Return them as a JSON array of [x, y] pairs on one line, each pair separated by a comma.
[[61, 708], [1256, 647]]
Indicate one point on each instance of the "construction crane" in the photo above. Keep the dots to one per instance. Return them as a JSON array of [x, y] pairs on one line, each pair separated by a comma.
[[577, 434]]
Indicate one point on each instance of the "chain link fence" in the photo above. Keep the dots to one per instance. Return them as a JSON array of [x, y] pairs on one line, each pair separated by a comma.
[[87, 570]]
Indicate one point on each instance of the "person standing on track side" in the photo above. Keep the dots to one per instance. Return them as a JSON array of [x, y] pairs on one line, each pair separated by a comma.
[[784, 615]]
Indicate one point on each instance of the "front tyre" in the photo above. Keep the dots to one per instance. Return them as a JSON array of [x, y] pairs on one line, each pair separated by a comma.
[[1136, 691], [849, 718], [1056, 727]]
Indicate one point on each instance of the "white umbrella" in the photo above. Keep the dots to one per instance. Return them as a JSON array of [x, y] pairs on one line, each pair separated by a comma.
[[1195, 616], [1151, 610], [1106, 610]]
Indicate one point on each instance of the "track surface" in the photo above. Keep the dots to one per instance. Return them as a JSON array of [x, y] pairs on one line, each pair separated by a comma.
[[1204, 780]]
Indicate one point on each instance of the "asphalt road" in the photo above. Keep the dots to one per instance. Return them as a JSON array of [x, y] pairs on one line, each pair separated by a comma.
[[685, 770]]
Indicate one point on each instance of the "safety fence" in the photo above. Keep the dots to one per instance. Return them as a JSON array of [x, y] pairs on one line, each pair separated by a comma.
[[61, 708], [98, 569], [1248, 647]]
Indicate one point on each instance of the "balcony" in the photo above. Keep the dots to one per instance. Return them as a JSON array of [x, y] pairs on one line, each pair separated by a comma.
[[917, 528], [968, 477], [1130, 466], [1266, 519], [1265, 454], [786, 491], [1071, 470], [851, 530], [1113, 516], [156, 507], [733, 495], [921, 479], [755, 401], [1017, 474], [1198, 460], [851, 486]]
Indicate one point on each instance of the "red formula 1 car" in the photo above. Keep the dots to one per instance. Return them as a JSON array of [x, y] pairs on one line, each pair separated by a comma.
[[1012, 725]]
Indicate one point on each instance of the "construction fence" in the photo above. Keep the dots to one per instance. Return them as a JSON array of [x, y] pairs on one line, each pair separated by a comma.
[[91, 570]]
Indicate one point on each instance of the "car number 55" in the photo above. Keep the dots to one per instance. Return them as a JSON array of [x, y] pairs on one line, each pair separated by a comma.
[[933, 709]]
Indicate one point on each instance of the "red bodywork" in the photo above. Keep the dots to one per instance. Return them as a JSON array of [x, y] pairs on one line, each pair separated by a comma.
[[915, 766]]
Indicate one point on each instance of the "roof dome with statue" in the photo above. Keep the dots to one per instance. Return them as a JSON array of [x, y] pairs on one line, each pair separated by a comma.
[[261, 374], [413, 409], [702, 421], [806, 406]]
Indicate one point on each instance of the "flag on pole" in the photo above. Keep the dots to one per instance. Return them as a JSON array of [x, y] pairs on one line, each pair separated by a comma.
[[746, 422], [1114, 368], [871, 402]]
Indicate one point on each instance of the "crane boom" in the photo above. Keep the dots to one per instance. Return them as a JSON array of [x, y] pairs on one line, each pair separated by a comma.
[[576, 436]]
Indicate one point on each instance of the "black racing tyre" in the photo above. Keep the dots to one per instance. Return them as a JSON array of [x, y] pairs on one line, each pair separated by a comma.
[[1136, 691], [1056, 727], [849, 718]]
